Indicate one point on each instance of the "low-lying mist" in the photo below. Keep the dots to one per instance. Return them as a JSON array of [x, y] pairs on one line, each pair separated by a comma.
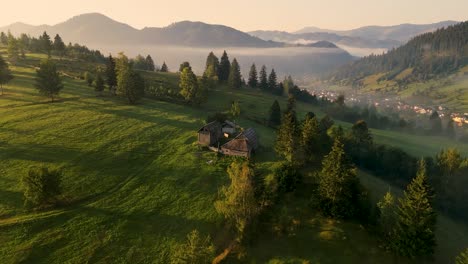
[[297, 61]]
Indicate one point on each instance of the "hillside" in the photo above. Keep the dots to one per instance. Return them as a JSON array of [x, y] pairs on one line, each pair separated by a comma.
[[401, 33], [97, 29], [136, 182]]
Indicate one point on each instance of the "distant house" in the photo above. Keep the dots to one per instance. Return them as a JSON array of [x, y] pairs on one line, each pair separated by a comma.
[[210, 134], [229, 127], [242, 145]]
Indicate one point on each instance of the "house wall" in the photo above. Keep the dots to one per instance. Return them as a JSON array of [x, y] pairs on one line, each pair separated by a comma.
[[204, 138], [231, 152]]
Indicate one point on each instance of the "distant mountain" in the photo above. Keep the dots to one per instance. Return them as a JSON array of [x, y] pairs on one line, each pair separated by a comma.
[[322, 44], [306, 38], [427, 56], [97, 29], [402, 33]]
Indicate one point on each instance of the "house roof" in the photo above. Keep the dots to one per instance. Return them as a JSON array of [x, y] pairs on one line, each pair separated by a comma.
[[229, 123], [245, 141], [210, 126]]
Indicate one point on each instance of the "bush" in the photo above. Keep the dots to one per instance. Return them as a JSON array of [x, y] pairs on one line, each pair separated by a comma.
[[195, 250], [288, 177], [41, 186]]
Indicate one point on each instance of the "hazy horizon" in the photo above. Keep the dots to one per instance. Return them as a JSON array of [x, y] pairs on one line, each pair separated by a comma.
[[147, 13]]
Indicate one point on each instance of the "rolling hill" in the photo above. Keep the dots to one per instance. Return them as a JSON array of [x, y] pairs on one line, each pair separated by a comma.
[[401, 33], [97, 29], [136, 182]]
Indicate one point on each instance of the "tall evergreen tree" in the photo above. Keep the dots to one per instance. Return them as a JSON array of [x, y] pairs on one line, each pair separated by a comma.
[[287, 137], [48, 80], [253, 77], [13, 48], [338, 184], [111, 75], [5, 74], [288, 84], [149, 63], [212, 67], [263, 79], [274, 116], [224, 68], [416, 218], [46, 43], [3, 38], [310, 140], [164, 68], [235, 78], [59, 46], [272, 81], [436, 123]]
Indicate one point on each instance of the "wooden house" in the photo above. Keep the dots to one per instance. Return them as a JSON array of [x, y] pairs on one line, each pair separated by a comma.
[[242, 145], [210, 134]]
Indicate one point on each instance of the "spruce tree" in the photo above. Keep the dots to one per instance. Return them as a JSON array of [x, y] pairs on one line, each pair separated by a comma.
[[48, 81], [274, 116], [5, 74], [59, 46], [164, 68], [287, 137], [288, 84], [310, 140], [211, 67], [263, 79], [111, 75], [235, 78], [46, 43], [13, 48], [272, 81], [184, 65], [253, 77], [3, 38], [338, 185], [149, 63], [416, 219], [387, 217], [224, 68]]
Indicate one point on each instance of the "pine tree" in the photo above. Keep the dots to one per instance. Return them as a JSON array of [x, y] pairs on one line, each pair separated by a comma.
[[149, 63], [338, 184], [59, 46], [263, 79], [13, 48], [224, 68], [111, 75], [287, 138], [3, 38], [235, 78], [253, 78], [272, 81], [310, 140], [46, 43], [288, 84], [164, 68], [416, 219], [274, 116], [5, 74], [212, 67], [387, 216], [48, 80]]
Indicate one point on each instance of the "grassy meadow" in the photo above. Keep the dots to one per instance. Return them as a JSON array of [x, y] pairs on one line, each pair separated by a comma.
[[135, 181]]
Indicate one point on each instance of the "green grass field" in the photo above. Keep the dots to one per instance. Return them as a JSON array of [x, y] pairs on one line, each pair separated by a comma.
[[136, 182]]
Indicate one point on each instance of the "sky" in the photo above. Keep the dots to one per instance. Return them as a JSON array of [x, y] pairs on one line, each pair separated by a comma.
[[245, 15]]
